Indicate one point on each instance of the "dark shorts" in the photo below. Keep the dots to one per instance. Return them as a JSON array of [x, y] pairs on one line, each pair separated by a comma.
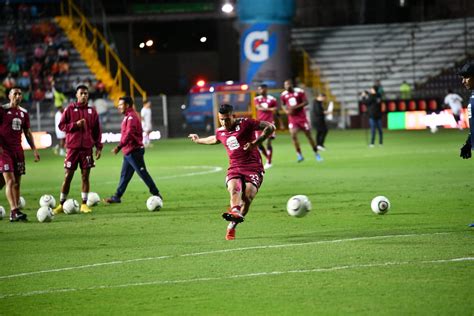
[[12, 162], [247, 176], [79, 156]]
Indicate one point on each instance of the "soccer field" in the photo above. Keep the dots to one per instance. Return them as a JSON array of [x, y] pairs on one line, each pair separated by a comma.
[[339, 259]]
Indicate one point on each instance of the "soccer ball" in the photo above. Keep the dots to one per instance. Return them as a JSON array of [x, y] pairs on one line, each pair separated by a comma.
[[154, 203], [298, 206], [21, 203], [92, 199], [47, 200], [70, 206], [380, 205], [2, 212], [45, 214]]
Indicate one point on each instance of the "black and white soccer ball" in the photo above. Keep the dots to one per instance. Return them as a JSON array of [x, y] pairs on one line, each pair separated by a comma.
[[3, 213], [45, 214], [380, 205], [93, 199], [71, 206], [298, 206], [154, 203], [47, 200]]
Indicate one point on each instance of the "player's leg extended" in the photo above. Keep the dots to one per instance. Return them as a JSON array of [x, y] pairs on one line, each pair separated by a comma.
[[307, 133], [248, 196], [137, 161], [296, 143], [234, 186], [125, 176], [269, 150]]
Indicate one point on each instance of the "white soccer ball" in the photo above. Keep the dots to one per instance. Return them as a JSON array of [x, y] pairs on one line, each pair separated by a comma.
[[71, 206], [45, 214], [380, 205], [154, 203], [21, 203], [298, 206], [2, 212], [93, 199], [47, 200]]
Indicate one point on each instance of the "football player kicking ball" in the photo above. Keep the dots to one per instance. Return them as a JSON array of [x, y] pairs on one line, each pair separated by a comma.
[[245, 172]]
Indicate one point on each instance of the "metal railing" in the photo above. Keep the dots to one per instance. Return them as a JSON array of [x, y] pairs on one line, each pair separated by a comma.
[[105, 54]]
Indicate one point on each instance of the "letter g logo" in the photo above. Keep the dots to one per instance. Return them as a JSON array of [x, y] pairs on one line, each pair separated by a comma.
[[256, 47]]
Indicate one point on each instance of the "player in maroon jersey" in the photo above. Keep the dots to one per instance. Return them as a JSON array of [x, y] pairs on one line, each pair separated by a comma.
[[294, 101], [245, 172], [266, 107], [81, 124], [14, 120]]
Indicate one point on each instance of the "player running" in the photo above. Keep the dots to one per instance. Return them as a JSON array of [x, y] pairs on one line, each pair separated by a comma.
[[245, 172], [14, 120], [294, 101], [266, 107]]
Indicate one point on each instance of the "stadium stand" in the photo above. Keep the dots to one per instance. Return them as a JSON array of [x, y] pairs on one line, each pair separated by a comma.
[[352, 58]]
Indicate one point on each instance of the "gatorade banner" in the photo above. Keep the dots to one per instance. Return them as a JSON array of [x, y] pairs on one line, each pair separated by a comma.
[[264, 51]]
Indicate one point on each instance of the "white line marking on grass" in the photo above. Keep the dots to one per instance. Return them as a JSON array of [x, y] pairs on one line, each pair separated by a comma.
[[237, 276], [210, 169], [117, 262]]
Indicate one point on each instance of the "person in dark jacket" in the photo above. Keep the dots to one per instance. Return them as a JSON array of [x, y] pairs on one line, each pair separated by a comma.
[[131, 144], [320, 120], [374, 109], [81, 124]]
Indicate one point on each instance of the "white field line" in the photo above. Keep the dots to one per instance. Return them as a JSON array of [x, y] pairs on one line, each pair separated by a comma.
[[211, 252], [210, 169], [236, 276]]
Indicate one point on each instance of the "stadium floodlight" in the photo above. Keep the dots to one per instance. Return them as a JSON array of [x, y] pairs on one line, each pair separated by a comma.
[[227, 7], [141, 45], [149, 43]]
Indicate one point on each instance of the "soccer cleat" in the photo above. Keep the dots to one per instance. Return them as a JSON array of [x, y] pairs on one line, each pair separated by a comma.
[[230, 235], [85, 208], [299, 158], [471, 225], [232, 216], [322, 148], [267, 166], [58, 209], [16, 216], [319, 158], [114, 199]]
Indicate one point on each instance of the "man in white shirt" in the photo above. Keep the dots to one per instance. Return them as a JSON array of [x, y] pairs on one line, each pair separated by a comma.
[[454, 101], [145, 113]]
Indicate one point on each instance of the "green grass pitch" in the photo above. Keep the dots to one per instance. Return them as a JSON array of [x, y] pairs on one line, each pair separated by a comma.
[[340, 259]]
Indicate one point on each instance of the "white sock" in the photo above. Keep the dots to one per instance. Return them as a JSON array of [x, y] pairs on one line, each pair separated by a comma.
[[62, 197], [232, 225], [84, 196]]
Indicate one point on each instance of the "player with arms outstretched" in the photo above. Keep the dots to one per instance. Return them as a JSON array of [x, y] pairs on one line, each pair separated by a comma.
[[245, 172], [14, 120], [266, 107], [294, 101]]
